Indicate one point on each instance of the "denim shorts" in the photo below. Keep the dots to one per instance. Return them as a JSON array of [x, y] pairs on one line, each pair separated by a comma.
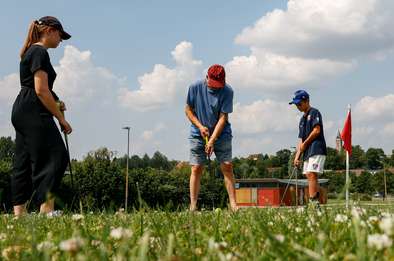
[[222, 150]]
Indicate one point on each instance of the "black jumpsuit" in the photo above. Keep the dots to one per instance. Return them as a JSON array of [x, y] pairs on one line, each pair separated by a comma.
[[40, 157]]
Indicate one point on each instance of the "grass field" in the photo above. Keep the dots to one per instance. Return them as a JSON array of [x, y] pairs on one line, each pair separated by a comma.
[[364, 232]]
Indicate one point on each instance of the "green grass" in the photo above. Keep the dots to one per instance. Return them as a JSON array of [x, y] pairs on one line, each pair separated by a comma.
[[249, 234]]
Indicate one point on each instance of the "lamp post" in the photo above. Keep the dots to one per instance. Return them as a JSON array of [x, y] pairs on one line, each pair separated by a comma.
[[127, 167], [385, 183]]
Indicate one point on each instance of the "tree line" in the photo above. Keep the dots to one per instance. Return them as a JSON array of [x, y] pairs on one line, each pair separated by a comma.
[[158, 182]]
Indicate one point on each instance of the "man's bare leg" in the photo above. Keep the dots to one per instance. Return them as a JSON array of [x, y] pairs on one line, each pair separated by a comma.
[[227, 170], [195, 178]]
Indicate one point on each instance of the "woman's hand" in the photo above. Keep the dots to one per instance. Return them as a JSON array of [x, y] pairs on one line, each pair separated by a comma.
[[66, 127]]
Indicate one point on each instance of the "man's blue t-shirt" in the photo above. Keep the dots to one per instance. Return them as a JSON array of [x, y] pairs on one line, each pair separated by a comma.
[[207, 104], [307, 123]]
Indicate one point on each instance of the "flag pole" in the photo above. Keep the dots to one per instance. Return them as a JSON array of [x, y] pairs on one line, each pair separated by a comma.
[[347, 170], [347, 179]]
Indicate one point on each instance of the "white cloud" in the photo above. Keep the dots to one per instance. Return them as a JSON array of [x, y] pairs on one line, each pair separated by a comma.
[[269, 71], [162, 86], [372, 109], [79, 80], [320, 28], [148, 135], [247, 146], [310, 41], [263, 116], [388, 130], [9, 88]]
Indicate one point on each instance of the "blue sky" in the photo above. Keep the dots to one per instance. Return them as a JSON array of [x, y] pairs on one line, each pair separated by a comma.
[[130, 62]]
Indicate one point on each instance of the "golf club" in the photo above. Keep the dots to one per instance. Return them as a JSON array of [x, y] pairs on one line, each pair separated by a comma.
[[294, 171], [68, 151], [208, 157]]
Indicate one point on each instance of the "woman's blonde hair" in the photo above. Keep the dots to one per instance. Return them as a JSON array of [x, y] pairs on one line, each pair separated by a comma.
[[34, 35]]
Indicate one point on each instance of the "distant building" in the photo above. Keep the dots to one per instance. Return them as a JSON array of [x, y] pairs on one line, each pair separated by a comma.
[[275, 192], [339, 142], [182, 164], [255, 156]]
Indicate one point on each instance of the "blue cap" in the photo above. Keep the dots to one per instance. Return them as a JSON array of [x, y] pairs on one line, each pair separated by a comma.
[[299, 96]]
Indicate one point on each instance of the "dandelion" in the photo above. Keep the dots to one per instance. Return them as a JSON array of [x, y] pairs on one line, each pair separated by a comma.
[[270, 223], [298, 230], [379, 241], [72, 245], [386, 225], [121, 233], [77, 217], [339, 218]]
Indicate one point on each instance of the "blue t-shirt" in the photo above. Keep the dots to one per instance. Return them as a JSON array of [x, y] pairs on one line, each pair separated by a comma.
[[307, 123], [207, 105]]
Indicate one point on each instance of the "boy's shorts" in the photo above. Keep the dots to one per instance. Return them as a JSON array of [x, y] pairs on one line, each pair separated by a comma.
[[314, 164]]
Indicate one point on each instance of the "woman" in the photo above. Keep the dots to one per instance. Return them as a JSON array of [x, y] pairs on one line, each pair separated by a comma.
[[40, 156]]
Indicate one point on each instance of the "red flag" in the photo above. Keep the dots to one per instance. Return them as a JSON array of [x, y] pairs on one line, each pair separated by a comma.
[[346, 134]]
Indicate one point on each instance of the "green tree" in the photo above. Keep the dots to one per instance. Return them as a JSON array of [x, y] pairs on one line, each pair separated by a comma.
[[375, 158], [7, 149], [391, 162], [358, 158], [334, 160]]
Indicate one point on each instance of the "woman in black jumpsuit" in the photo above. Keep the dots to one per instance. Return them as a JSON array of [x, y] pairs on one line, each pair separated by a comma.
[[40, 156]]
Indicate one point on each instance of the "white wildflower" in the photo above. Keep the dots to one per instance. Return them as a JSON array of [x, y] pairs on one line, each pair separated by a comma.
[[341, 218], [121, 233], [379, 241], [77, 217], [96, 243], [229, 256], [300, 210], [46, 246], [386, 225], [3, 236], [280, 238], [387, 214], [216, 246], [298, 230], [373, 219], [72, 245], [55, 213], [270, 223], [357, 212]]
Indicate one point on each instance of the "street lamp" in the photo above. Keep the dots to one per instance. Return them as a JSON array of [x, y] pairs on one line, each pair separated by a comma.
[[127, 166]]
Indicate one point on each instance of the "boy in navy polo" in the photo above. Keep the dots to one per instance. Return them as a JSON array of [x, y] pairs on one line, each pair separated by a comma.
[[311, 144], [208, 104]]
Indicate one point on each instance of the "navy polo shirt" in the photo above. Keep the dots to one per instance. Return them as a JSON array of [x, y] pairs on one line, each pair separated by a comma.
[[307, 123]]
